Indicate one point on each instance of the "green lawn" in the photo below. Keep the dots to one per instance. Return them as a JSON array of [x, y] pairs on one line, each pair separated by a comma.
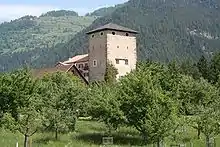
[[88, 134]]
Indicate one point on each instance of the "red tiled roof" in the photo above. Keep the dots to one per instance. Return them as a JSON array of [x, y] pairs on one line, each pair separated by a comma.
[[39, 73]]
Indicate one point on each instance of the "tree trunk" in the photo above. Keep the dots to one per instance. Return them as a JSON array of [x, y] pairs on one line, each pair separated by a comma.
[[208, 143], [25, 140], [29, 142], [159, 143], [56, 134], [199, 132]]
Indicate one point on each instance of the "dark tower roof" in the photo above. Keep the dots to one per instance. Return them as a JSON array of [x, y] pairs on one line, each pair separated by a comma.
[[114, 27]]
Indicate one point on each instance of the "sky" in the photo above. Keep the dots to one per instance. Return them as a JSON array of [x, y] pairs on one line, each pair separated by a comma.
[[13, 9]]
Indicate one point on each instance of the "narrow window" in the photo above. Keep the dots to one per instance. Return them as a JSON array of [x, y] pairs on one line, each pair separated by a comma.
[[117, 46], [80, 65], [126, 61], [113, 33], [94, 63], [93, 36], [117, 61], [127, 34], [101, 33], [127, 47]]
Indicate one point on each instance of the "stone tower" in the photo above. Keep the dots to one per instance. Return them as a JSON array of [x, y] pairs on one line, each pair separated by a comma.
[[114, 44]]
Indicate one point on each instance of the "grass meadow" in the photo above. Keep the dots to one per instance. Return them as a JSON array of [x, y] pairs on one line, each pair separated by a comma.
[[90, 133]]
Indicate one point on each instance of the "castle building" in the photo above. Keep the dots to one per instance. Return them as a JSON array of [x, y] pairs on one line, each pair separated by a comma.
[[109, 44]]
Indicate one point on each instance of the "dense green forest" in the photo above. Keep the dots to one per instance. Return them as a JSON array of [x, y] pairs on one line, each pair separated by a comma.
[[168, 30], [161, 103]]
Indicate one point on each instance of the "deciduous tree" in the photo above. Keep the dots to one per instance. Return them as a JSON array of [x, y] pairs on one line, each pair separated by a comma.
[[146, 105], [62, 96]]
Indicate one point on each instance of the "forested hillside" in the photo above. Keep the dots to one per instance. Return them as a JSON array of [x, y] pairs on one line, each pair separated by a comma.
[[171, 29], [29, 32], [105, 11]]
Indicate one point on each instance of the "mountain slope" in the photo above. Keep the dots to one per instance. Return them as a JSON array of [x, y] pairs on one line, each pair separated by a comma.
[[29, 32], [171, 29], [168, 29], [104, 11]]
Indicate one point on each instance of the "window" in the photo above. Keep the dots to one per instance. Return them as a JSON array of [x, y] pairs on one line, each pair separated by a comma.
[[113, 33], [126, 61], [127, 34], [86, 74], [101, 33], [117, 46], [93, 36], [94, 63], [127, 47], [80, 65], [117, 61]]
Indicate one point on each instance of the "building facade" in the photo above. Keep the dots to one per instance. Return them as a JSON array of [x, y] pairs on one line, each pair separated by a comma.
[[111, 44]]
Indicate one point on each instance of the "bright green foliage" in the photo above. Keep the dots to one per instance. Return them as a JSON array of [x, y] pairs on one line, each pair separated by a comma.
[[200, 102], [105, 105], [63, 98], [24, 102], [111, 73], [194, 95], [8, 122], [146, 105]]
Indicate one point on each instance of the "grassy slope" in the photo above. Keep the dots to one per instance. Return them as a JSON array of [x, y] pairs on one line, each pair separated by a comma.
[[45, 32], [88, 134]]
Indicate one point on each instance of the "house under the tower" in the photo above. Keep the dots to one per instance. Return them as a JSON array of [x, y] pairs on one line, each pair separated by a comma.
[[110, 43]]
